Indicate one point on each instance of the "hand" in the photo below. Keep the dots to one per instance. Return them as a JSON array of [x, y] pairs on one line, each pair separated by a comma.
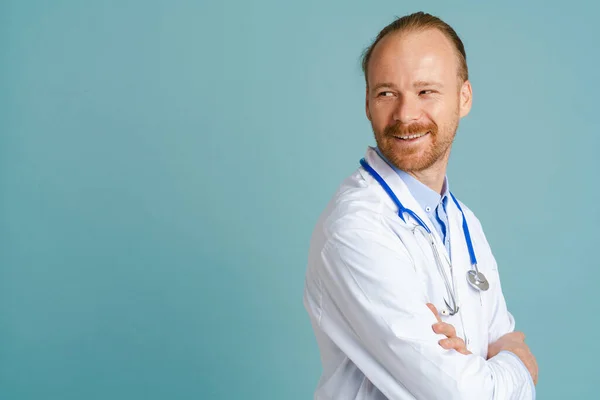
[[515, 343], [452, 341], [508, 340]]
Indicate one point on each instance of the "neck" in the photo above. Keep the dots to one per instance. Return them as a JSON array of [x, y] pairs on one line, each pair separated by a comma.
[[433, 176]]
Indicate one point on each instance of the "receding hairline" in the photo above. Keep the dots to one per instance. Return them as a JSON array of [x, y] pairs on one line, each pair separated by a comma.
[[412, 30], [419, 22]]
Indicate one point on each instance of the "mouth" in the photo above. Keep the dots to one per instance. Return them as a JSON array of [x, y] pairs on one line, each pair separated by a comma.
[[411, 138]]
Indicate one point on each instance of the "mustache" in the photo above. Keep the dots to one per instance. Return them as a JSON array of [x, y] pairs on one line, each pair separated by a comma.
[[399, 129]]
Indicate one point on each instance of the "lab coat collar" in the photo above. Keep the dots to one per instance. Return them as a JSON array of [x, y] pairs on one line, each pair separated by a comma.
[[401, 191], [421, 192]]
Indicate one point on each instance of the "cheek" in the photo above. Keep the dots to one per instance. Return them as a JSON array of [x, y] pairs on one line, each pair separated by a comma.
[[380, 116], [442, 113]]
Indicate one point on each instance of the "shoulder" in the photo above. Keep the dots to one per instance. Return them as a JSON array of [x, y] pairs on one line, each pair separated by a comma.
[[357, 231], [358, 204]]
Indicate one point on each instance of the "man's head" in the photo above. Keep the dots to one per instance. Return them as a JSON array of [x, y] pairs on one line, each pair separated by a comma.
[[417, 90]]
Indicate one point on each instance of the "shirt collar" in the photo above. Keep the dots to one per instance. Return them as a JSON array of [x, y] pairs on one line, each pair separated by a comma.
[[427, 198]]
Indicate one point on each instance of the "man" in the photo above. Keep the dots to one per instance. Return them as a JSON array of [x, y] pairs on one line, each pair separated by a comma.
[[394, 246]]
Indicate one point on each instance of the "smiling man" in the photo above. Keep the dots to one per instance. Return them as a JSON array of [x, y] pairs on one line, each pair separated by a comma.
[[394, 245]]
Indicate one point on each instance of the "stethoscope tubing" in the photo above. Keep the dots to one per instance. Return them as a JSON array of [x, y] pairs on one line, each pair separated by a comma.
[[476, 279]]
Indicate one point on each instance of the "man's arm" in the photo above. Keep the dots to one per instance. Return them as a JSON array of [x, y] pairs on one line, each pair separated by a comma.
[[379, 302], [501, 336]]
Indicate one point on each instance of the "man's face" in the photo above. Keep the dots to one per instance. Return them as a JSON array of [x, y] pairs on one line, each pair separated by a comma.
[[415, 98]]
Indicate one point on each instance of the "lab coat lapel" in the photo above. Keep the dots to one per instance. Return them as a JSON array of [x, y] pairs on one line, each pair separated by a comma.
[[401, 191], [469, 299]]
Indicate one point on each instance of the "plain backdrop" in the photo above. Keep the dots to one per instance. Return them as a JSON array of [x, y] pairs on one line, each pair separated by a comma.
[[163, 163]]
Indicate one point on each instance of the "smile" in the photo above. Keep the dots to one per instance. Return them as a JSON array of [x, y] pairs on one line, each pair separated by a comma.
[[413, 136]]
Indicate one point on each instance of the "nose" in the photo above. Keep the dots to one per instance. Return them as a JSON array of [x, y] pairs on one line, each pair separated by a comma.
[[407, 109]]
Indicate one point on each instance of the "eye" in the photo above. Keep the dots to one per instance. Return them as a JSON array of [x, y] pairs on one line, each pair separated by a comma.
[[427, 91], [385, 94]]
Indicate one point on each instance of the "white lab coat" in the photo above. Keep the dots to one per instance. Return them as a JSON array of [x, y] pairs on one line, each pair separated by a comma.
[[368, 280]]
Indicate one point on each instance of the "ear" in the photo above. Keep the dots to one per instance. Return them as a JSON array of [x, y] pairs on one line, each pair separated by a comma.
[[367, 104], [466, 98]]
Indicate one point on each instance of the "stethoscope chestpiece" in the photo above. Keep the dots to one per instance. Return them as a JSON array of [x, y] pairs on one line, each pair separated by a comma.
[[477, 280]]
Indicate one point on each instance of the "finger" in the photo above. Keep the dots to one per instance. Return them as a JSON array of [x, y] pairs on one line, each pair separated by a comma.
[[452, 343], [434, 311], [444, 328], [464, 350], [455, 344]]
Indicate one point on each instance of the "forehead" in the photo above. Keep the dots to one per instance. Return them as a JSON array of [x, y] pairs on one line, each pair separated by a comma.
[[406, 57]]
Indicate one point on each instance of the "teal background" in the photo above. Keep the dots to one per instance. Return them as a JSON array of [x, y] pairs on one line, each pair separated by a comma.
[[162, 165]]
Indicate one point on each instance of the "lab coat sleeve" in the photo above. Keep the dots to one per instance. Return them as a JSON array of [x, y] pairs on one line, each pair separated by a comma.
[[502, 321], [379, 319]]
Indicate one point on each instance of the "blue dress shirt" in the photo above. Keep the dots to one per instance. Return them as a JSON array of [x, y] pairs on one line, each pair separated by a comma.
[[430, 201]]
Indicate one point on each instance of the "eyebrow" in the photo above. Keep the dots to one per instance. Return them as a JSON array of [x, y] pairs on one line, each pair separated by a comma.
[[382, 85]]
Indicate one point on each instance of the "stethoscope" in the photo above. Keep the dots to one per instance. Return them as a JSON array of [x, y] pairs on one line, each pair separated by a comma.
[[475, 278]]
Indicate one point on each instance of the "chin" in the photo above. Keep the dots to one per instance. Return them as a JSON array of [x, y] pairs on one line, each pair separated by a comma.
[[410, 165], [413, 162], [408, 161]]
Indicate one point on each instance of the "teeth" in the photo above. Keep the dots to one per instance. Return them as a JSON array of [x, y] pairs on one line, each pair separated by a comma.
[[417, 135]]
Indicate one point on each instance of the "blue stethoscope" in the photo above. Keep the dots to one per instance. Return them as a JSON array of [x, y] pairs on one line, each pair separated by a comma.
[[475, 278]]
